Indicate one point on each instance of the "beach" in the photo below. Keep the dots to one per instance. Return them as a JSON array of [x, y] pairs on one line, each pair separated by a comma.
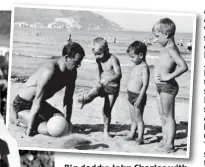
[[88, 128], [31, 52]]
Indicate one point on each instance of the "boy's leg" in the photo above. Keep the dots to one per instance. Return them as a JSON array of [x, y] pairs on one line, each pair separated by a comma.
[[140, 124], [90, 96], [133, 123], [163, 141], [107, 108], [168, 105]]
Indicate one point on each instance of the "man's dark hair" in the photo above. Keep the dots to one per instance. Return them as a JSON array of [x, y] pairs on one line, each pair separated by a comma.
[[138, 47], [72, 48]]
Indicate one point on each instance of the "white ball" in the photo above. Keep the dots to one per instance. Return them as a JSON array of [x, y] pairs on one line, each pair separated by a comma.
[[57, 126]]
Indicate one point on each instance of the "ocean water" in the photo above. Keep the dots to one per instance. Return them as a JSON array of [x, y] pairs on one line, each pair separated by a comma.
[[32, 48]]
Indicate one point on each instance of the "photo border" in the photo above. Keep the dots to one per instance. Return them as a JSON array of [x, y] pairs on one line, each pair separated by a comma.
[[165, 155]]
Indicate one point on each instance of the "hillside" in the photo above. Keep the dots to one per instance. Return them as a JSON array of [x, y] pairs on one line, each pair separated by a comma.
[[84, 19]]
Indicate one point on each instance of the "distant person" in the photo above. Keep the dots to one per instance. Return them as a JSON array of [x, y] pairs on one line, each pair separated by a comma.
[[137, 87], [169, 66], [9, 154], [189, 46], [115, 40], [69, 39], [181, 42], [30, 106], [109, 81]]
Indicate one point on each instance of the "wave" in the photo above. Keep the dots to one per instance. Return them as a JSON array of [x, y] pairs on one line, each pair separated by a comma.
[[36, 56], [36, 43], [130, 64]]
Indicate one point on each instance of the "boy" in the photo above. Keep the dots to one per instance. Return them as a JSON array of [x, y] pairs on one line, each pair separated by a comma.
[[137, 87], [30, 106], [109, 84], [9, 155], [169, 66]]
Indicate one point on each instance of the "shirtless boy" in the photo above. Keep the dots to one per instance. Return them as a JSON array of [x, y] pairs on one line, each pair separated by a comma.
[[109, 83], [137, 87], [169, 66], [30, 106]]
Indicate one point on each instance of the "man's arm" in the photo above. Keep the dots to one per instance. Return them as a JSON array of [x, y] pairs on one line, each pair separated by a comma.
[[181, 66], [68, 98], [37, 102]]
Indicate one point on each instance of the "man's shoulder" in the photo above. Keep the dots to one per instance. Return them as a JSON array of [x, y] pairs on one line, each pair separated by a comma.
[[49, 69]]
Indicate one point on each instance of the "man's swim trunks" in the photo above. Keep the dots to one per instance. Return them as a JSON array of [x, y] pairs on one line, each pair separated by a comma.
[[132, 98], [20, 104], [170, 88]]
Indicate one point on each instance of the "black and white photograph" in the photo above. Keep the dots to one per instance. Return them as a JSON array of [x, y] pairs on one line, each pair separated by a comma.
[[101, 81]]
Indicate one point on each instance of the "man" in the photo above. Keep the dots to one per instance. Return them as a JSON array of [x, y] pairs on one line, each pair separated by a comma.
[[30, 106]]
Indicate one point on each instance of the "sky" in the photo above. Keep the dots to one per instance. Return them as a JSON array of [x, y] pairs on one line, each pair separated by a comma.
[[145, 21]]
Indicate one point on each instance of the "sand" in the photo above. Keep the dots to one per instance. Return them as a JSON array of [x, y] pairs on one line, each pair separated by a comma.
[[88, 127]]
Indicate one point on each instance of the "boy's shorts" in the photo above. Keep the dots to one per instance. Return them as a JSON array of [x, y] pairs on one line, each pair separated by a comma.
[[108, 90], [170, 88], [132, 98]]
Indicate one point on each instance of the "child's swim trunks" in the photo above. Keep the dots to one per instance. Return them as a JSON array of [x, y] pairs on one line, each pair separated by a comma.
[[20, 104], [132, 98], [108, 90], [170, 88]]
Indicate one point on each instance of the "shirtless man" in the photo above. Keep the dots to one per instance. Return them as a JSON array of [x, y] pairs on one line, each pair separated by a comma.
[[109, 81], [137, 87], [169, 66], [30, 106]]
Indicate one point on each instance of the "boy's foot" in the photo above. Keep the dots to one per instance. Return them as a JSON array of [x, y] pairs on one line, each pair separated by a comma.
[[129, 138], [139, 141], [80, 100], [107, 136], [166, 149], [161, 144]]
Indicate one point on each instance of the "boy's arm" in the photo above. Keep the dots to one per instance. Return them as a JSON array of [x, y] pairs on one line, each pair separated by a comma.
[[37, 102], [182, 66], [100, 70], [145, 80], [117, 71], [68, 98]]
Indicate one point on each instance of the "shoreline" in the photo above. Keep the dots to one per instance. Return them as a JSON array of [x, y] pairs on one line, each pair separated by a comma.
[[22, 79]]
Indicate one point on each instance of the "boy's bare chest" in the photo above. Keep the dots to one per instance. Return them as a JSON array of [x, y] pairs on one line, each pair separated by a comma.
[[106, 66], [136, 72]]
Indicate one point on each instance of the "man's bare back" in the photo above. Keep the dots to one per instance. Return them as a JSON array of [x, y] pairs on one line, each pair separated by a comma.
[[57, 81]]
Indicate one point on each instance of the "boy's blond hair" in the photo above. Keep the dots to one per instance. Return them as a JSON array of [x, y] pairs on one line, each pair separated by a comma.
[[165, 25], [103, 43]]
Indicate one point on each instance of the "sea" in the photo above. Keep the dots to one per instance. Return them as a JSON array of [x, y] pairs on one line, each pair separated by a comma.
[[33, 47]]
